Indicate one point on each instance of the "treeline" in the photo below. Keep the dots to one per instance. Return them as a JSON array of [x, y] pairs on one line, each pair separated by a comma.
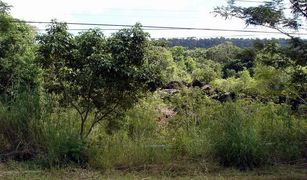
[[192, 43]]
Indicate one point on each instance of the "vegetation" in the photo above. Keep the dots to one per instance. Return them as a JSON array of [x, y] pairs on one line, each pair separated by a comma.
[[193, 43], [126, 102]]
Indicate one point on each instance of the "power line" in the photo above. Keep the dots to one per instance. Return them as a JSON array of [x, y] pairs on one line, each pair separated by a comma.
[[116, 29], [161, 27], [104, 29]]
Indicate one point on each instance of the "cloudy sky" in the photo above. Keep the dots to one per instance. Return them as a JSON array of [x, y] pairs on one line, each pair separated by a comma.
[[178, 13]]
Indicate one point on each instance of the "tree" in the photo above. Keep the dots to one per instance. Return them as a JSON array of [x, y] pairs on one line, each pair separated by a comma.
[[17, 53], [99, 77], [243, 60], [272, 14], [207, 71], [4, 8], [223, 53], [162, 60]]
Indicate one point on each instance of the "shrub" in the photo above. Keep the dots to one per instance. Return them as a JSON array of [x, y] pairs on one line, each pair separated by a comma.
[[235, 141], [62, 144], [246, 135], [19, 127], [28, 131], [282, 133]]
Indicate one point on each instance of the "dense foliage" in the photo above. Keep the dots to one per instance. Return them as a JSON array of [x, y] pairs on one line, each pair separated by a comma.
[[96, 75], [126, 101], [192, 43]]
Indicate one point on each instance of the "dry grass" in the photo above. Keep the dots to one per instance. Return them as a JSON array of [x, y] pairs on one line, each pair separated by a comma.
[[171, 171]]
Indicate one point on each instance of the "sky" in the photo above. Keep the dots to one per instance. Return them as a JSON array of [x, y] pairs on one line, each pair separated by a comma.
[[177, 13]]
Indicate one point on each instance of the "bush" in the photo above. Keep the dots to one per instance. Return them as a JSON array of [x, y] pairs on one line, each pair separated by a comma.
[[20, 127], [142, 120], [246, 135], [283, 134], [139, 142], [235, 141], [62, 144], [29, 131]]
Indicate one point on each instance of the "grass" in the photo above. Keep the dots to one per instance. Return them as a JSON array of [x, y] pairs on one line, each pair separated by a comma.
[[176, 170]]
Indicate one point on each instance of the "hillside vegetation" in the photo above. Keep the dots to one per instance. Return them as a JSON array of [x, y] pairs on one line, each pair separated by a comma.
[[128, 103]]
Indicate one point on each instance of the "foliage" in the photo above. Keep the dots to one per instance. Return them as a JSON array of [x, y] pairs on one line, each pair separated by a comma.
[[273, 15], [4, 8], [207, 71], [139, 141], [201, 43], [162, 60], [223, 53], [249, 134], [95, 75], [141, 120], [20, 127], [234, 138], [50, 114], [244, 60], [61, 145], [17, 69]]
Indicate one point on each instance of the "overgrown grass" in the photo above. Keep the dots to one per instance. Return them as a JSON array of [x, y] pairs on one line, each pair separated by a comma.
[[243, 134], [20, 127], [31, 131]]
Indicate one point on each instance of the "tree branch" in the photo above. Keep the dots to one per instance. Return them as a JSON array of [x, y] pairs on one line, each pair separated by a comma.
[[97, 120]]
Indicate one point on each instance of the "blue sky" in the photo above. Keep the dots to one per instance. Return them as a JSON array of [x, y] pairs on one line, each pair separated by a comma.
[[181, 13]]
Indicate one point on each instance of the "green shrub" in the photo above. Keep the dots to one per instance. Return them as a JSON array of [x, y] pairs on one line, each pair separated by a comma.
[[283, 134], [235, 141], [142, 120], [137, 143], [29, 131], [62, 144], [244, 134], [247, 134], [20, 131]]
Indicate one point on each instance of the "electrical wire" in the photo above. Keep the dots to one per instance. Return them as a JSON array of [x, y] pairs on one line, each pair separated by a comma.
[[161, 27]]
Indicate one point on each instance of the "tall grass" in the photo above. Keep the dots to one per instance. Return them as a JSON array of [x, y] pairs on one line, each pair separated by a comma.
[[62, 144], [247, 134], [19, 127], [243, 134], [30, 130]]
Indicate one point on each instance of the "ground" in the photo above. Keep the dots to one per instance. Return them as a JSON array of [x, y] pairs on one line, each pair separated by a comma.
[[17, 171]]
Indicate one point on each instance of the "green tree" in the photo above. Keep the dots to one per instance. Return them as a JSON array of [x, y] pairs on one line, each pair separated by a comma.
[[243, 60], [273, 14], [223, 53], [99, 77], [207, 71], [4, 8], [163, 61], [17, 53]]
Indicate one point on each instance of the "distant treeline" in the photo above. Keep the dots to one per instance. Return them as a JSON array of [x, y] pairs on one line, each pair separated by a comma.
[[211, 42]]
